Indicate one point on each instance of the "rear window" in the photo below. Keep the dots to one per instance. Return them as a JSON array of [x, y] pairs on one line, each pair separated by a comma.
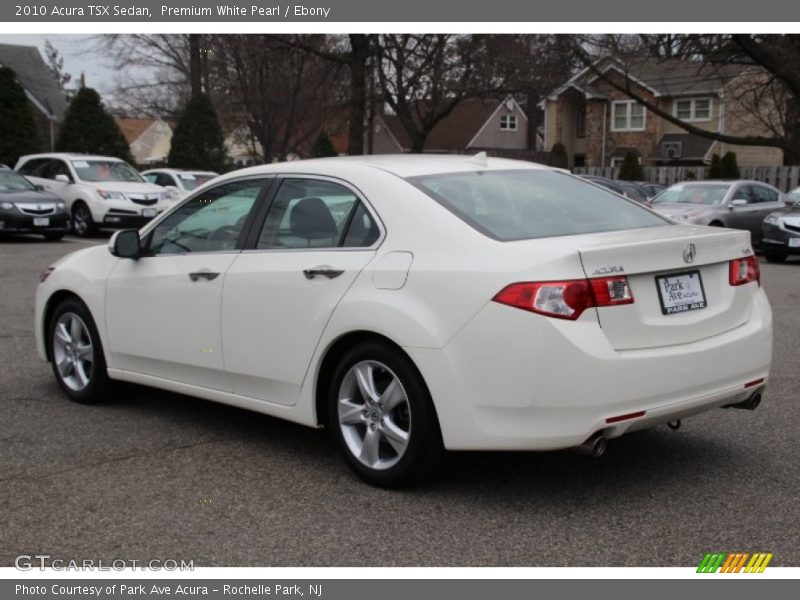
[[528, 204]]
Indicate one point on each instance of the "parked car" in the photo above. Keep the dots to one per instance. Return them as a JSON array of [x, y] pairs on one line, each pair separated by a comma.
[[623, 188], [737, 204], [651, 189], [99, 191], [26, 208], [467, 302], [781, 230], [178, 182]]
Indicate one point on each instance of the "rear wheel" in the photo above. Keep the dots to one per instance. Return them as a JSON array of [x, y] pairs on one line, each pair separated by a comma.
[[82, 222], [775, 257], [382, 417], [76, 354]]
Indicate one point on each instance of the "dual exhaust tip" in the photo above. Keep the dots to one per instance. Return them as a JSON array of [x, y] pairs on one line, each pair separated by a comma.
[[597, 444]]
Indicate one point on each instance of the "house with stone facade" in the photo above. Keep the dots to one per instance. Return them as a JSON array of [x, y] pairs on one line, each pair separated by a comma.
[[599, 124]]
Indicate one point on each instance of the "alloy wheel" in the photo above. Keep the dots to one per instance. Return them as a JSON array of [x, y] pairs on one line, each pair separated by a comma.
[[81, 221], [73, 352], [374, 414]]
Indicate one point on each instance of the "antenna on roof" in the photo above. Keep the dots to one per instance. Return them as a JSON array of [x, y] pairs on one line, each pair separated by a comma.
[[480, 159]]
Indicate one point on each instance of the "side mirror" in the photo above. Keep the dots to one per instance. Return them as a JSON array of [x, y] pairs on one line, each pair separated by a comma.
[[739, 202], [125, 244], [61, 178], [38, 187]]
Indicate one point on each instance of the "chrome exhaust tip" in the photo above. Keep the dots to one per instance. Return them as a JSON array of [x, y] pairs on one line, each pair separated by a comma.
[[751, 403], [595, 446]]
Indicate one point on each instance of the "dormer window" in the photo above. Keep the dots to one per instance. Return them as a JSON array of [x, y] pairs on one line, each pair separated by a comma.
[[508, 122]]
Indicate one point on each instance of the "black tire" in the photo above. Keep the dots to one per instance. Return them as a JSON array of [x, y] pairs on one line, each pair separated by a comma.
[[54, 236], [82, 223], [775, 257], [424, 448], [99, 387]]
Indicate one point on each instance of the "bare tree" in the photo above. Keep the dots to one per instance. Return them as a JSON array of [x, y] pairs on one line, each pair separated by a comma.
[[55, 63], [284, 95], [424, 77]]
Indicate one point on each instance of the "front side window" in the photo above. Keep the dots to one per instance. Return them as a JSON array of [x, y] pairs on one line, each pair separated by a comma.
[[312, 213], [210, 222], [508, 122], [695, 194], [527, 204], [105, 170], [627, 115], [54, 168]]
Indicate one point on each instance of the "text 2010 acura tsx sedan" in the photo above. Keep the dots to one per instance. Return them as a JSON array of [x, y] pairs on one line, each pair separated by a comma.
[[414, 303]]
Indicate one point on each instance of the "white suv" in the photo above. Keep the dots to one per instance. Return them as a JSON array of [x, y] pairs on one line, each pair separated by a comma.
[[179, 183], [100, 191]]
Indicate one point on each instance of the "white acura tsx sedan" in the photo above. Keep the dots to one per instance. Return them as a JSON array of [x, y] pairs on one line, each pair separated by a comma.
[[414, 303]]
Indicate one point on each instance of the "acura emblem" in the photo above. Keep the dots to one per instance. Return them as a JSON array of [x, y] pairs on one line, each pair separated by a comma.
[[688, 253]]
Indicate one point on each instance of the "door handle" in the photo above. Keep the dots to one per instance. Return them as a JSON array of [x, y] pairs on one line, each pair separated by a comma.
[[208, 275], [323, 271]]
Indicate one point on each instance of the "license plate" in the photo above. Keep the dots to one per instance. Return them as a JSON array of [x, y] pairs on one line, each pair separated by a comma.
[[681, 292], [41, 221], [148, 212], [794, 242]]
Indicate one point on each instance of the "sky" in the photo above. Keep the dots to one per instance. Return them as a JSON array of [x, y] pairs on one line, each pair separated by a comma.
[[79, 56]]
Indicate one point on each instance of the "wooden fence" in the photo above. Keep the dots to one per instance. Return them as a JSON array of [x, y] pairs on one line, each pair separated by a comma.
[[783, 178]]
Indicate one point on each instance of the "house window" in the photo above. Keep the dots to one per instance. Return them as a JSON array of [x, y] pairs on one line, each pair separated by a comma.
[[508, 122], [693, 109], [580, 122], [627, 115]]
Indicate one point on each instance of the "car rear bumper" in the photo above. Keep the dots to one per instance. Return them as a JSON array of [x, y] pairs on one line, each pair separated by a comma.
[[22, 223], [511, 380]]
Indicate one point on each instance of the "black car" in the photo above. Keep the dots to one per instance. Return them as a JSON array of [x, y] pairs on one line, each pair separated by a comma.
[[25, 208], [623, 188]]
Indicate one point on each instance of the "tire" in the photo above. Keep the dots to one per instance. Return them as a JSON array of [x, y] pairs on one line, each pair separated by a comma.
[[82, 222], [76, 354], [775, 257], [54, 236], [386, 460]]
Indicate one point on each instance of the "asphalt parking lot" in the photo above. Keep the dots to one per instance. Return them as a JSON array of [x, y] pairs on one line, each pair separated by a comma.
[[154, 475]]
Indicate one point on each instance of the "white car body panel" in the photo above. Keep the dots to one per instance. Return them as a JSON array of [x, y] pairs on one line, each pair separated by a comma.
[[500, 377]]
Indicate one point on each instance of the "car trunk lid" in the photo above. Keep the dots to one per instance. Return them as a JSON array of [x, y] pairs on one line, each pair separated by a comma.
[[668, 270]]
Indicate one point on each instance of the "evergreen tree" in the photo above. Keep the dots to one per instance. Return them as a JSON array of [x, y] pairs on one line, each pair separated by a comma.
[[197, 142], [729, 168], [323, 146], [715, 170], [18, 135], [631, 170], [559, 157], [89, 128]]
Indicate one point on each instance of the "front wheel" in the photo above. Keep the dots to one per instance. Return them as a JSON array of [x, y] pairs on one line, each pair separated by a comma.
[[76, 354], [82, 222], [382, 417]]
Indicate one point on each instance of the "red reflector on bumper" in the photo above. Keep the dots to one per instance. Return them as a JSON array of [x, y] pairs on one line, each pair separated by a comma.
[[625, 417], [754, 382]]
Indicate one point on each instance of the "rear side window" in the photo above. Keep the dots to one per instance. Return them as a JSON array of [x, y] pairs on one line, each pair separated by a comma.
[[312, 213], [33, 167], [528, 204]]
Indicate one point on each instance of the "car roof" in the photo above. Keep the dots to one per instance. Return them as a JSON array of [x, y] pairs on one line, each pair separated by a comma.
[[402, 165], [719, 181], [69, 156]]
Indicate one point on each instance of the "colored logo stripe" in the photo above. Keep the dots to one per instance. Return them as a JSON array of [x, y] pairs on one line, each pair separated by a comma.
[[734, 562]]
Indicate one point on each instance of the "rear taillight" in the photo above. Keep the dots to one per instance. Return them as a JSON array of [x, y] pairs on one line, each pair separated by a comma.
[[566, 299], [744, 270]]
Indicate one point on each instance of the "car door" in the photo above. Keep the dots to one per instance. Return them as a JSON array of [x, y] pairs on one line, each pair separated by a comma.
[[316, 237], [742, 216], [765, 201], [163, 310]]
